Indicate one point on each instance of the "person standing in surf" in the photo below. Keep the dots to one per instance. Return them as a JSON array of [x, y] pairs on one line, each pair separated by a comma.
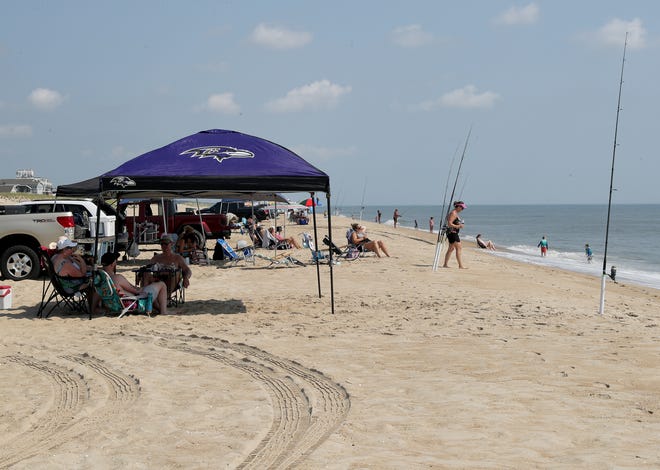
[[396, 217], [431, 224], [544, 246], [589, 252], [454, 225]]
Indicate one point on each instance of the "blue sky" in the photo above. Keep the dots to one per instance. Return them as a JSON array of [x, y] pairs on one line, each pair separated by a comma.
[[378, 94]]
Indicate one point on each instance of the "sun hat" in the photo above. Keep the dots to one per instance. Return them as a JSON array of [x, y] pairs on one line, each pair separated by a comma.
[[65, 243], [108, 258], [165, 239]]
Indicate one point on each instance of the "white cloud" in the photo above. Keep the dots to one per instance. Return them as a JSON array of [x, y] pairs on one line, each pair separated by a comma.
[[513, 16], [323, 153], [316, 95], [21, 130], [279, 38], [222, 103], [614, 33], [45, 99], [466, 97], [411, 36]]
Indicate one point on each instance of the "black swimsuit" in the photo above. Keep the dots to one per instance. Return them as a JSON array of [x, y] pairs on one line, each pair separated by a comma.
[[452, 235]]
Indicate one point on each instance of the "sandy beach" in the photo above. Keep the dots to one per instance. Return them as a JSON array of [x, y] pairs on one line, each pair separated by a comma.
[[501, 365]]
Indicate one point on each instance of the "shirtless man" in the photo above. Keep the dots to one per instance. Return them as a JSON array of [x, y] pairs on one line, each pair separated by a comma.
[[158, 289], [169, 258]]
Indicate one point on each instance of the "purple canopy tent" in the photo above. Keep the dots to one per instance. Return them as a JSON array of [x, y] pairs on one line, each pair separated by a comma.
[[213, 163]]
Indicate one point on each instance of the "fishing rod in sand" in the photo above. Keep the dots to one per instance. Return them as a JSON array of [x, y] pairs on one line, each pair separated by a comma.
[[441, 231], [364, 191], [612, 273], [442, 234]]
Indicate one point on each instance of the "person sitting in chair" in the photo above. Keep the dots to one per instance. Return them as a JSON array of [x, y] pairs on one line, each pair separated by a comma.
[[187, 244], [485, 244], [69, 266], [290, 240], [157, 289], [169, 258], [359, 239]]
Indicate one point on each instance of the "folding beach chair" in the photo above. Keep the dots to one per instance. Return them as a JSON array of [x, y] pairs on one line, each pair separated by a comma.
[[280, 260], [53, 290], [317, 255], [354, 251], [349, 252], [246, 252], [105, 288], [274, 243]]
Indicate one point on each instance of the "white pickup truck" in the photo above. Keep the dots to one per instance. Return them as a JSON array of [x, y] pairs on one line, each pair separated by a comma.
[[84, 214], [22, 234]]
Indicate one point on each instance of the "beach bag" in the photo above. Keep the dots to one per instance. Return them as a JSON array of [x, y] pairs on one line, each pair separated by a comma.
[[218, 253], [352, 253]]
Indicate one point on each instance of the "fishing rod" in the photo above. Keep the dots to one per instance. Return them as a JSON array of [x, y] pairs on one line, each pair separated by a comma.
[[612, 274], [443, 230], [364, 190], [460, 195]]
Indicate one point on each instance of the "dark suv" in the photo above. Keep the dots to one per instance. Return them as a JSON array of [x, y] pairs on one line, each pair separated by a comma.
[[239, 209]]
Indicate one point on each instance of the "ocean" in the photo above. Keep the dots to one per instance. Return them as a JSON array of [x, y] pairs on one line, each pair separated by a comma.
[[516, 230]]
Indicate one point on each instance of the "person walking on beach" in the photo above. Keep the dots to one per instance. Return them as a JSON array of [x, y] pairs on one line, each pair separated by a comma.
[[454, 225], [589, 253], [544, 246], [416, 225], [396, 217], [431, 224], [378, 215]]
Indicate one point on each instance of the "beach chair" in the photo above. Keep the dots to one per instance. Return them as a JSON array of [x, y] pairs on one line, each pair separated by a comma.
[[347, 251], [121, 305], [354, 251], [317, 255], [280, 260], [274, 243], [53, 290], [231, 257]]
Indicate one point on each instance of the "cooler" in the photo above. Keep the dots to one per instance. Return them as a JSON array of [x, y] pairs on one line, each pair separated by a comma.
[[107, 228], [5, 297]]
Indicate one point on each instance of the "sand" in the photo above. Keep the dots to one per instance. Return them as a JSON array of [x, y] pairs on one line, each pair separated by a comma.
[[502, 365]]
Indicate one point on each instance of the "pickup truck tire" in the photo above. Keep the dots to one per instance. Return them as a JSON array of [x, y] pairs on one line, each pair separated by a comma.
[[20, 262]]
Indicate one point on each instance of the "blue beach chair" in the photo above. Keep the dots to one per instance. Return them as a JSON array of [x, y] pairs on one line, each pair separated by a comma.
[[246, 253]]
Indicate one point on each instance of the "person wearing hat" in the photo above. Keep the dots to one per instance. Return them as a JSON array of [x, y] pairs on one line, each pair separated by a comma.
[[69, 266], [169, 258], [454, 225], [157, 289]]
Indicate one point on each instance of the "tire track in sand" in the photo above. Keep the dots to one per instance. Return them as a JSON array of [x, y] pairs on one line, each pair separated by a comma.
[[71, 395], [307, 405]]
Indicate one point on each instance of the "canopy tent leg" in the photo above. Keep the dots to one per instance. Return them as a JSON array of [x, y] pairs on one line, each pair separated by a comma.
[[332, 285], [318, 268]]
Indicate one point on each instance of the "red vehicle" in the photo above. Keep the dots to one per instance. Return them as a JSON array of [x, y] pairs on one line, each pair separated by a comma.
[[151, 218]]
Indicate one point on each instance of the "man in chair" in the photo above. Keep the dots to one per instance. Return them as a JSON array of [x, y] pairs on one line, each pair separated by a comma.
[[158, 289]]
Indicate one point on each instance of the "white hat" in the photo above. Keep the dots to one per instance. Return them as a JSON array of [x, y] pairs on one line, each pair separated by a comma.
[[65, 243]]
